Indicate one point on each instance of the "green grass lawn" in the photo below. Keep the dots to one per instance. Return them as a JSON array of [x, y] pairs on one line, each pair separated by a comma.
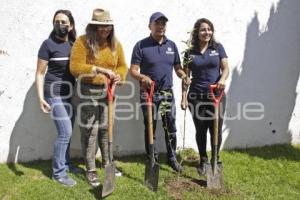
[[256, 173]]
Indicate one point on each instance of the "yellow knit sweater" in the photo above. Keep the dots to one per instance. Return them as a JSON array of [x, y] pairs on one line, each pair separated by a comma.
[[81, 63]]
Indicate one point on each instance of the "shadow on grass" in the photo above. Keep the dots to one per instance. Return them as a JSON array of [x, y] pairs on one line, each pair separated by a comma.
[[97, 192], [285, 152], [138, 180], [14, 169], [45, 166], [131, 159], [141, 159], [280, 151], [41, 165], [200, 182]]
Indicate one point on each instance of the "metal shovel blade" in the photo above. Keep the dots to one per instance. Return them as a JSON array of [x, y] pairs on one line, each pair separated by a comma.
[[109, 180], [214, 178], [151, 175]]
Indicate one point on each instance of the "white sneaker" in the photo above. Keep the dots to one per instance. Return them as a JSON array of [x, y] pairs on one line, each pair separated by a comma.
[[93, 178], [117, 172]]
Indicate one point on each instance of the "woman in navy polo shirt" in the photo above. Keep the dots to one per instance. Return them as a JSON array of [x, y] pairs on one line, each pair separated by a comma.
[[206, 61], [54, 89]]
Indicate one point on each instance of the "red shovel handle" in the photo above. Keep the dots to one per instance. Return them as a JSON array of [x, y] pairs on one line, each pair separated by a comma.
[[110, 88], [217, 99], [149, 94]]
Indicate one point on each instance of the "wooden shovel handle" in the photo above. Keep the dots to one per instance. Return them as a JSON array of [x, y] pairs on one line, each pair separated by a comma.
[[110, 88], [110, 121], [149, 96], [150, 123]]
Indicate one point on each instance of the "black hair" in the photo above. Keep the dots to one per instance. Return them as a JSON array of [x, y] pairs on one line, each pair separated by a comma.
[[72, 33], [195, 34]]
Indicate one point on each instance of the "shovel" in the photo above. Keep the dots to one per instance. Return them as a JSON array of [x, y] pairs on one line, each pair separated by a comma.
[[214, 169], [184, 117], [109, 181], [152, 167]]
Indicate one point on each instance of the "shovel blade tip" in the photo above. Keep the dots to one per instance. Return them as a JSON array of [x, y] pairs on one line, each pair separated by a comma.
[[109, 180], [151, 176], [215, 178]]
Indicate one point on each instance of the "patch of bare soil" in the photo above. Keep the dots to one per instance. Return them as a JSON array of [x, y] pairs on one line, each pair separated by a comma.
[[176, 186]]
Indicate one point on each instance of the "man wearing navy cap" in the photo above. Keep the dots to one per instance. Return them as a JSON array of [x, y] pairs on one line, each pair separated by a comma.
[[153, 59]]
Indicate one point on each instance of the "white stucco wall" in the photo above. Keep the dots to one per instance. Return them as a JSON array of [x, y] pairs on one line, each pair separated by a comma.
[[262, 40]]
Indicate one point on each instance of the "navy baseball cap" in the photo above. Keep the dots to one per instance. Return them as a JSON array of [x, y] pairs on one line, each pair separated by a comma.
[[155, 16]]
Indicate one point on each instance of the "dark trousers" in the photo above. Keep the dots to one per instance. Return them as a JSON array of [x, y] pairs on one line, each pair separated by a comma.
[[91, 103], [202, 110], [164, 106]]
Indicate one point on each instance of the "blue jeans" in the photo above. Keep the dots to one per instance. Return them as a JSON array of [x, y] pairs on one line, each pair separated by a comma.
[[63, 117], [163, 104]]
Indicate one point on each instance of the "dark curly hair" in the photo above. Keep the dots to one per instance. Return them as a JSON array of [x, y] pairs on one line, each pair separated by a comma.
[[72, 33], [195, 34]]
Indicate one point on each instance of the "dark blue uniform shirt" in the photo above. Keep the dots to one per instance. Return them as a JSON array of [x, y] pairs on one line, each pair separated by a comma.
[[57, 53], [205, 68], [156, 60]]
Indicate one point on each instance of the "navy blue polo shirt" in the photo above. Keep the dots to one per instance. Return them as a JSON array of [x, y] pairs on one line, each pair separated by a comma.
[[156, 60], [205, 68], [57, 53]]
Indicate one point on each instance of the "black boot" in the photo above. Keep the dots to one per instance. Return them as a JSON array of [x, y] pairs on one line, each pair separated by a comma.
[[175, 166], [201, 169]]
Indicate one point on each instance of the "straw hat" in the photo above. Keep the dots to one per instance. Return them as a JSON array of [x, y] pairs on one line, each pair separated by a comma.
[[101, 17]]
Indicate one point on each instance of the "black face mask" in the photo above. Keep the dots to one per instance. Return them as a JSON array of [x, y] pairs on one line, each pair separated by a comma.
[[61, 30]]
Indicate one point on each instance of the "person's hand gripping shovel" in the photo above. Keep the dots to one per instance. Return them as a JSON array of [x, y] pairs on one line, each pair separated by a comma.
[[152, 167], [214, 169], [109, 181]]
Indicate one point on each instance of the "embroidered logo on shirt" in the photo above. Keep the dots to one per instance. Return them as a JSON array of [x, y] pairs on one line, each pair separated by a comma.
[[169, 51], [213, 53]]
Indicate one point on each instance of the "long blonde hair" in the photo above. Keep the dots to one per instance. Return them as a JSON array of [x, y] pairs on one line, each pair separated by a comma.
[[92, 39]]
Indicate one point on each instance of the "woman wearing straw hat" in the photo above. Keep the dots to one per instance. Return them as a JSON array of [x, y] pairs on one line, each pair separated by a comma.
[[96, 57]]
